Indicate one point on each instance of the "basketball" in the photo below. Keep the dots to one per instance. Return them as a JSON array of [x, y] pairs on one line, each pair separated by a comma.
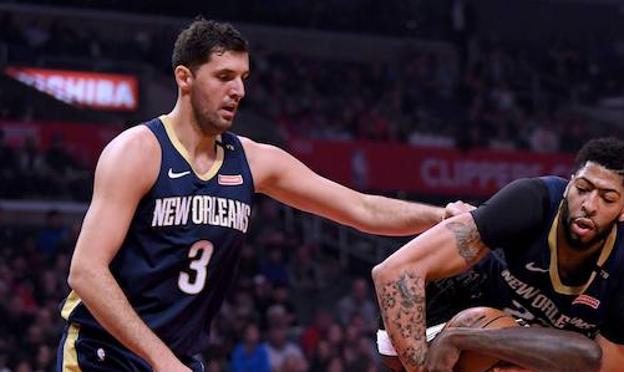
[[479, 317]]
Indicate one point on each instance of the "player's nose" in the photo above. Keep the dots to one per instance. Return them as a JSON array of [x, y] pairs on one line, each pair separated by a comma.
[[237, 89], [590, 204]]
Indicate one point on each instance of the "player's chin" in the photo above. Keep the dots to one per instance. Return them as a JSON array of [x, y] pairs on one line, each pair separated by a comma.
[[226, 124], [220, 126]]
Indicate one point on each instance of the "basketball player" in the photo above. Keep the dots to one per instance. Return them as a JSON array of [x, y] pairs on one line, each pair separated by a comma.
[[171, 206], [564, 270]]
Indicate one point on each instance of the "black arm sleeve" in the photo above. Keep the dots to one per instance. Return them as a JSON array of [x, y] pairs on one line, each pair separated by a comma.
[[512, 214]]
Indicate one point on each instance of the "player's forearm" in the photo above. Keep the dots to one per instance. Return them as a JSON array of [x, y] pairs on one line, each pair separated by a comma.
[[401, 297], [386, 216], [104, 298], [538, 349]]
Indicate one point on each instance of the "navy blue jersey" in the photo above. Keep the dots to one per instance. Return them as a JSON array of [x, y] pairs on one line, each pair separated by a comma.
[[181, 251], [536, 293]]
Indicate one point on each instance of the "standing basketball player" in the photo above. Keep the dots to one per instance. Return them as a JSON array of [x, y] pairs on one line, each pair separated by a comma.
[[171, 207], [564, 250]]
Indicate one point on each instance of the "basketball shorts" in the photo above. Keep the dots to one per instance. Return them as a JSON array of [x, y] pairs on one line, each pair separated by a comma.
[[87, 349]]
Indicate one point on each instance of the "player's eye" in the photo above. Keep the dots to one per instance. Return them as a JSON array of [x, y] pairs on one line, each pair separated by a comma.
[[224, 77], [581, 190]]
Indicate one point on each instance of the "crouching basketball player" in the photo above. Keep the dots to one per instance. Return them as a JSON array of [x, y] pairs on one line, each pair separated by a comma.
[[564, 251]]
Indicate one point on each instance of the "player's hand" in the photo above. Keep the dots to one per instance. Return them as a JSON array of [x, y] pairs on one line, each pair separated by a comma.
[[456, 208], [442, 354]]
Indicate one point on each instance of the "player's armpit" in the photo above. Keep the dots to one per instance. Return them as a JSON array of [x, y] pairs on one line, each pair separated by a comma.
[[612, 355]]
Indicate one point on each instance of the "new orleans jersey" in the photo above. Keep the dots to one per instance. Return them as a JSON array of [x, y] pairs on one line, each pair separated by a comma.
[[181, 250], [522, 219]]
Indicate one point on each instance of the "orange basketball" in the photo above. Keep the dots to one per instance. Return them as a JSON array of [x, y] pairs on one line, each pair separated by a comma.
[[479, 317]]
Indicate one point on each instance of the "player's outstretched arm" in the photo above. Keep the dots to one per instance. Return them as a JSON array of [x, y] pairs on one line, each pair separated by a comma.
[[126, 170], [534, 348], [446, 249], [281, 176]]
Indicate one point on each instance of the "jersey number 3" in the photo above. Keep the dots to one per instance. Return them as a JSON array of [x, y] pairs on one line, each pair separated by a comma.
[[200, 254]]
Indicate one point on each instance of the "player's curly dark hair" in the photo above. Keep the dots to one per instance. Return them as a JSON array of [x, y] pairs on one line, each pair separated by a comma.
[[608, 152], [196, 43]]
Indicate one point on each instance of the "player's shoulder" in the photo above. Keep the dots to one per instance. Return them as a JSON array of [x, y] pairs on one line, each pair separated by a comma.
[[138, 140], [266, 161], [133, 156], [553, 183], [246, 142]]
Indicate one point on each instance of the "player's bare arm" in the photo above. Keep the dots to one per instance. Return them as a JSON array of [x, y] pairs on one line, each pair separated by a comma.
[[126, 170], [281, 176], [612, 354], [534, 348], [447, 249]]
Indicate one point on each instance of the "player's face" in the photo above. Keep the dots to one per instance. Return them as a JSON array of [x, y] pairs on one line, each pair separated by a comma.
[[594, 201], [217, 89]]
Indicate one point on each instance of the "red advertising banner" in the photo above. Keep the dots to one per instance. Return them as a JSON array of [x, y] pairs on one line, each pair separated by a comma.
[[435, 171], [95, 90], [83, 141]]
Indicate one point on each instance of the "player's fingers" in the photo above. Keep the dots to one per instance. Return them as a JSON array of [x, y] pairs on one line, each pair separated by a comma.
[[456, 208]]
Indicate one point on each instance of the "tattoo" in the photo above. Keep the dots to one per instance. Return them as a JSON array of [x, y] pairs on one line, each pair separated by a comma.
[[403, 309], [468, 240]]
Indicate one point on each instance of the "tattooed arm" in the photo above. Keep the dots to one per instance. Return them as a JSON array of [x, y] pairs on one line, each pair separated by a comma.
[[447, 249]]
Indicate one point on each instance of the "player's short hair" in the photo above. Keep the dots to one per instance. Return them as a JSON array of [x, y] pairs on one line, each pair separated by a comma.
[[608, 152], [196, 43]]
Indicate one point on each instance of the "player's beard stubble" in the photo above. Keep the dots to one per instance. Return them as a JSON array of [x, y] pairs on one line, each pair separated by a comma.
[[601, 232], [208, 121]]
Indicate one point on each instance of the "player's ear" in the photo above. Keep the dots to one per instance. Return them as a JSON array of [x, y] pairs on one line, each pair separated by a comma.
[[183, 77], [621, 217]]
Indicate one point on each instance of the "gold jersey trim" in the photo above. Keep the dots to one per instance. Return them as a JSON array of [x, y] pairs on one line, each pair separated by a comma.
[[71, 302], [70, 356], [555, 279], [220, 154]]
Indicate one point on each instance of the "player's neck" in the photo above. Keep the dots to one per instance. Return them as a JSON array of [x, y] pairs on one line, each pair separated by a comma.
[[574, 263], [195, 141]]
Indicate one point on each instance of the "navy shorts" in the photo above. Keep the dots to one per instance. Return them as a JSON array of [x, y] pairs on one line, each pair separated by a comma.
[[87, 349]]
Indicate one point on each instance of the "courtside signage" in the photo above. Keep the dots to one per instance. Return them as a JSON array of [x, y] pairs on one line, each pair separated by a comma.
[[425, 170], [94, 90]]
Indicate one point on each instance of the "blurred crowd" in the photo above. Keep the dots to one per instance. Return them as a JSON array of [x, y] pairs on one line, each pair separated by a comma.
[[392, 17], [496, 97], [287, 312], [30, 172], [488, 94]]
